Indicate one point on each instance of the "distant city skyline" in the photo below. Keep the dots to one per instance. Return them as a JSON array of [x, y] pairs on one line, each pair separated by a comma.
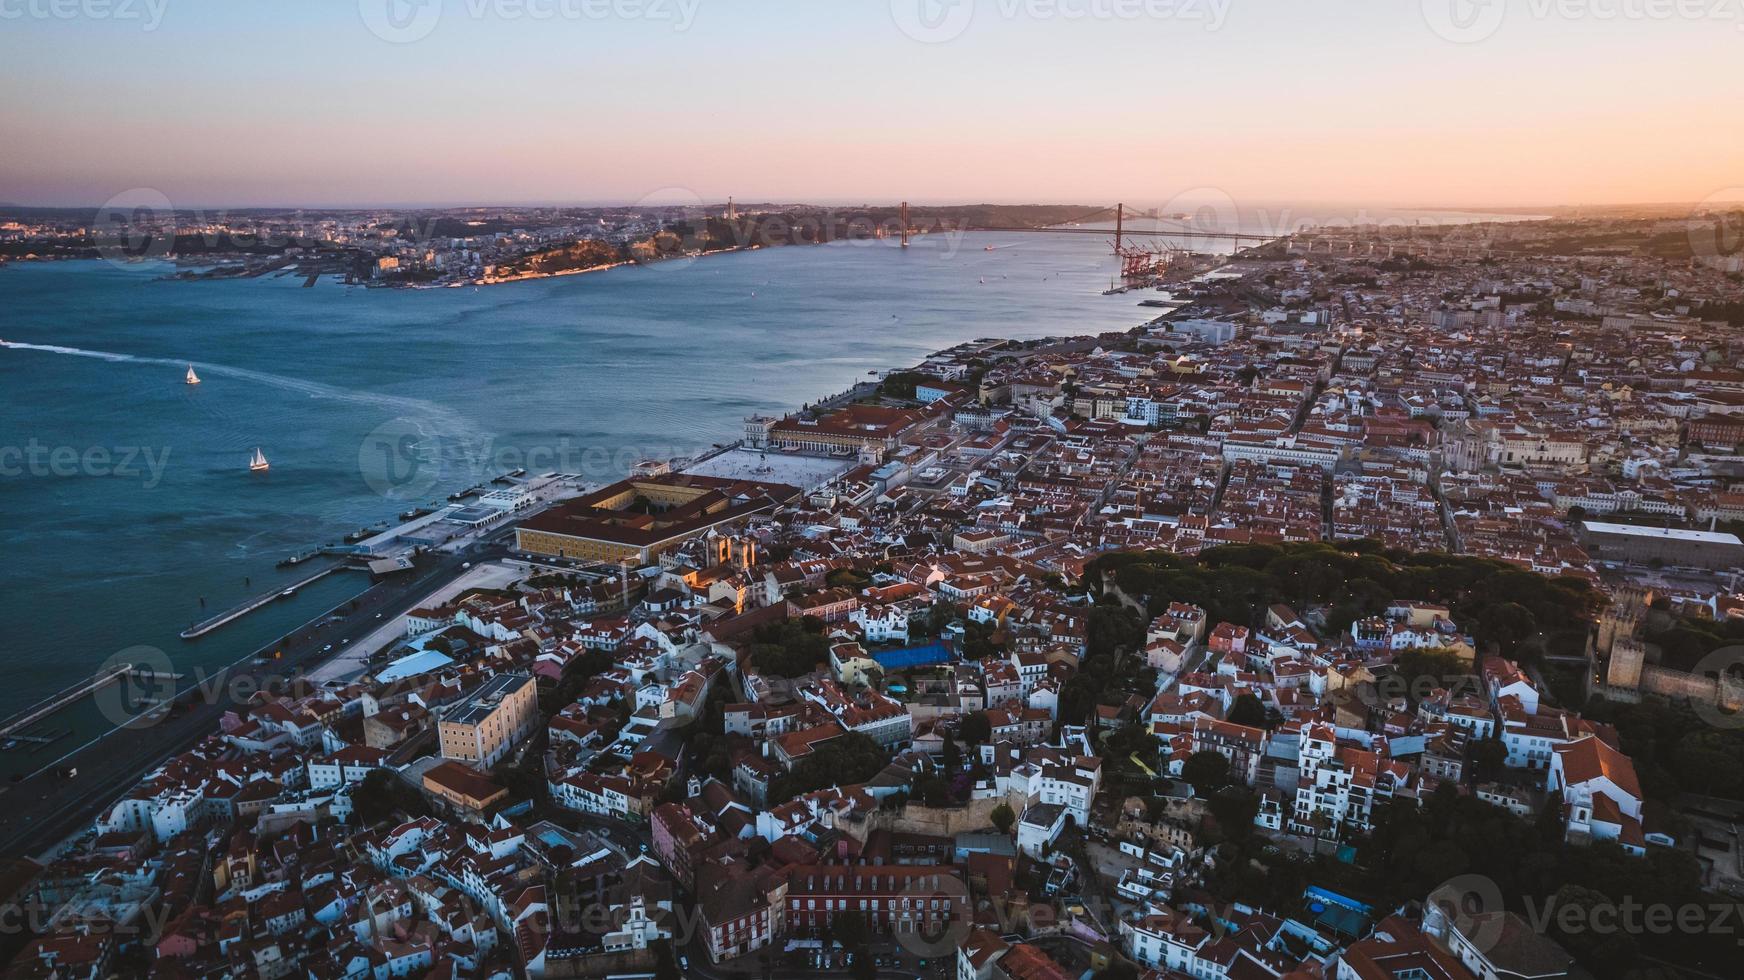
[[396, 103]]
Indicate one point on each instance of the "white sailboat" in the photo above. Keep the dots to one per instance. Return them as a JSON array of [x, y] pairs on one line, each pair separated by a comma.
[[192, 378], [258, 463]]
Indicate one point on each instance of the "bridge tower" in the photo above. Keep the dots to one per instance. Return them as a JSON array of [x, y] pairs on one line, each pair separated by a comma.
[[904, 220]]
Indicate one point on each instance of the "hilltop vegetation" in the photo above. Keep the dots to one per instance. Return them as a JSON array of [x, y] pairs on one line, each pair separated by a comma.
[[1521, 613]]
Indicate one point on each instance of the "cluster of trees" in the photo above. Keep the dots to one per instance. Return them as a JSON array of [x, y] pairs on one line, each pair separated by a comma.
[[1522, 613], [853, 933], [557, 580], [1107, 671], [901, 384], [851, 758], [1685, 642], [848, 578], [790, 648], [1675, 750], [1732, 312], [383, 795], [575, 677], [1414, 850], [1131, 759], [586, 253]]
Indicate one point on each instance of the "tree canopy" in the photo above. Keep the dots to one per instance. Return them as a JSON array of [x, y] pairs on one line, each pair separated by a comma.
[[1520, 611], [843, 761], [790, 648]]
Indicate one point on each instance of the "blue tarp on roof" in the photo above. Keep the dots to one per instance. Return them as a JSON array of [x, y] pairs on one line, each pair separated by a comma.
[[932, 653]]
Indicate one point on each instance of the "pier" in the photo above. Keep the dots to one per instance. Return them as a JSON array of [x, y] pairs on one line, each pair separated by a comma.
[[10, 728], [225, 618]]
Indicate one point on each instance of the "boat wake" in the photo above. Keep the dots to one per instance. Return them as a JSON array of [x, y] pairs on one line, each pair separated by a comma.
[[74, 351], [443, 420]]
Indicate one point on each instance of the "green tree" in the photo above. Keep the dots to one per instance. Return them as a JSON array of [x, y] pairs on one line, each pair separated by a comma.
[[842, 761], [975, 729], [383, 795], [1208, 771], [1487, 757], [1507, 625], [1003, 818], [789, 648], [1248, 710], [849, 929]]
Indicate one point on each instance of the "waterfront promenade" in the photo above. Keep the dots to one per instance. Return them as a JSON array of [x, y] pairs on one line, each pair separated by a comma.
[[45, 808]]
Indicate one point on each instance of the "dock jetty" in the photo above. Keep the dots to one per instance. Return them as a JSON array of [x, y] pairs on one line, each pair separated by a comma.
[[231, 615], [10, 728]]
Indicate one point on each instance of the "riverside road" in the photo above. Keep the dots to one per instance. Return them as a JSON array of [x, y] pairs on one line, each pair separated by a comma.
[[42, 810]]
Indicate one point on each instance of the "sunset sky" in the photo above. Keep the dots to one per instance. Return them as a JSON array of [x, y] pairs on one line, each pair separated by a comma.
[[1387, 102]]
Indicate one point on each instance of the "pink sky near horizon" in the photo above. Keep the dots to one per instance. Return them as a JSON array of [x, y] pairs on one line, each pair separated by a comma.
[[1285, 100]]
